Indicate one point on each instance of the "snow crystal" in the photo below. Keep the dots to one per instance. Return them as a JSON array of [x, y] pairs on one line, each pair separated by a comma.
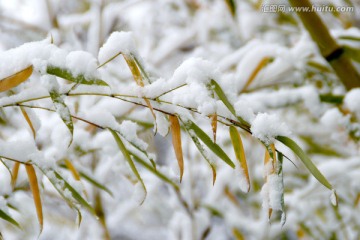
[[118, 42], [272, 192], [352, 101], [266, 127]]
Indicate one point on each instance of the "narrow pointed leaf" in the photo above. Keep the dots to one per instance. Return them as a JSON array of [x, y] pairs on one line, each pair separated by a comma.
[[63, 111], [220, 93], [80, 79], [305, 159], [75, 194], [214, 125], [258, 68], [239, 153], [209, 143], [15, 79], [231, 6], [28, 120], [7, 167], [36, 193], [128, 159], [176, 140], [202, 151], [139, 81], [9, 219], [15, 172], [72, 169], [95, 183]]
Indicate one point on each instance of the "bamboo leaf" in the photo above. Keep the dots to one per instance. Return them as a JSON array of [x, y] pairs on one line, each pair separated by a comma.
[[95, 183], [72, 169], [220, 93], [63, 111], [231, 6], [80, 79], [60, 188], [8, 218], [305, 159], [36, 193], [7, 167], [237, 234], [263, 62], [28, 120], [15, 79], [15, 172], [176, 140], [239, 153], [208, 142], [75, 194], [353, 53], [202, 151], [131, 62], [128, 159], [213, 118]]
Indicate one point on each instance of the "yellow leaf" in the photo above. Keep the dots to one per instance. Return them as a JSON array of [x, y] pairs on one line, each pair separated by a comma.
[[27, 118], [74, 172], [139, 81], [237, 234], [260, 66], [239, 152], [15, 79], [213, 172], [15, 173], [214, 125], [72, 169], [176, 140], [36, 192], [270, 171]]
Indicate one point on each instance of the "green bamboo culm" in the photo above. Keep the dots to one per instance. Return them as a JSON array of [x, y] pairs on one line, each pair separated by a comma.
[[329, 48]]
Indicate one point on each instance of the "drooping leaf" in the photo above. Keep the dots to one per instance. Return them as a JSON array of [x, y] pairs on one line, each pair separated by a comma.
[[258, 68], [75, 194], [80, 79], [36, 193], [231, 6], [8, 218], [353, 53], [220, 93], [63, 111], [239, 153], [60, 188], [279, 172], [176, 140], [15, 172], [237, 234], [305, 159], [213, 118], [28, 120], [202, 151], [128, 159], [72, 169], [15, 79], [139, 81], [95, 183], [209, 143]]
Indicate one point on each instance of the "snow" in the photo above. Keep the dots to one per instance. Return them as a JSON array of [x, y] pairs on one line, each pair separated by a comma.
[[266, 127], [118, 42], [81, 63], [352, 101]]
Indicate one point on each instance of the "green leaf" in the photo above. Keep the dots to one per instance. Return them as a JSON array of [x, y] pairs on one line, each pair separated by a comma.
[[203, 152], [95, 183], [128, 159], [63, 111], [9, 219], [208, 142], [66, 74], [231, 6], [305, 159], [220, 93], [77, 196], [353, 53]]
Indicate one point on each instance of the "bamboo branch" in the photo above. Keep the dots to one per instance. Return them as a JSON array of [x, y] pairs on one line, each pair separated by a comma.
[[328, 47]]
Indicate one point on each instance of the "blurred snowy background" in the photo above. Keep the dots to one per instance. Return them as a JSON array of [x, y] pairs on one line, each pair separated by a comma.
[[291, 84]]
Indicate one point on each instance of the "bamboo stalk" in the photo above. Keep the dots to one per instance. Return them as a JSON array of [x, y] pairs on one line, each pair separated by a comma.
[[328, 47]]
